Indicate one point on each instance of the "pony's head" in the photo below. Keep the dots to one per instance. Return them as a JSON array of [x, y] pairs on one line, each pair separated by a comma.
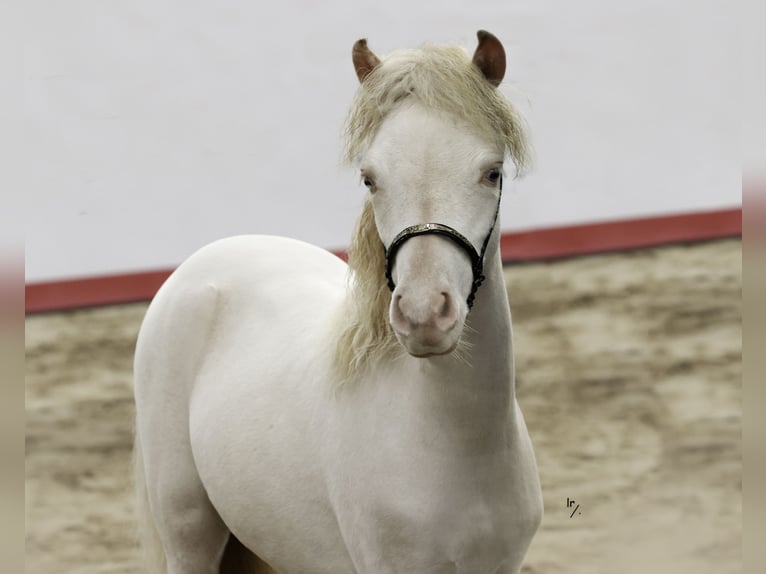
[[430, 133]]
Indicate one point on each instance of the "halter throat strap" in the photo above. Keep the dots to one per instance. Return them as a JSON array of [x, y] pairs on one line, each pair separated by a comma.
[[477, 257]]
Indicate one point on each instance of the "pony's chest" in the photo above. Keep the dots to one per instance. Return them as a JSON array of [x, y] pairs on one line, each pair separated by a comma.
[[439, 523], [470, 537]]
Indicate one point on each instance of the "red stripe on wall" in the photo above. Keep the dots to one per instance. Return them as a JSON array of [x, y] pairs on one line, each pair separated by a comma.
[[534, 245], [94, 291], [592, 238]]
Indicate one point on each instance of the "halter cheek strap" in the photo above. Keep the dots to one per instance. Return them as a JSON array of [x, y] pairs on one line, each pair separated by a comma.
[[477, 257]]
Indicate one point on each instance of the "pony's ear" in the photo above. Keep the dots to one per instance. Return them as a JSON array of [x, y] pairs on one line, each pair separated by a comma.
[[489, 57], [364, 60]]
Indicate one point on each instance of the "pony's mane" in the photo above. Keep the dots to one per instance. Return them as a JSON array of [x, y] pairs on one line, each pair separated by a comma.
[[441, 78], [365, 334]]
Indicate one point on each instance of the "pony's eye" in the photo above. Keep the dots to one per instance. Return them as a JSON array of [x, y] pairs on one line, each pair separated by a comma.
[[492, 176], [368, 182]]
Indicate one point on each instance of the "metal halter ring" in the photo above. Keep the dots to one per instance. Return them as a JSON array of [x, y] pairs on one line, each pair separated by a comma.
[[477, 258]]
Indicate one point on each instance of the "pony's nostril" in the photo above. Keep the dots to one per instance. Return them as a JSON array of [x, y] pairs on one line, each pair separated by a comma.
[[447, 316], [446, 307]]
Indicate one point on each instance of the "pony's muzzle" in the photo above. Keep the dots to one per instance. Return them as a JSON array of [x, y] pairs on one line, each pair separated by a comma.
[[425, 324]]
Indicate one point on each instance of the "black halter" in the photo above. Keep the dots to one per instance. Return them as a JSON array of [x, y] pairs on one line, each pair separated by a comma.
[[477, 258]]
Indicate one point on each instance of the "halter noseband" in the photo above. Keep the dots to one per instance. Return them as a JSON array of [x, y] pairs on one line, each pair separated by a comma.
[[477, 258]]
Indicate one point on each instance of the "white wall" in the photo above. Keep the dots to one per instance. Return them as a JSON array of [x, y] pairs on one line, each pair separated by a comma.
[[158, 126]]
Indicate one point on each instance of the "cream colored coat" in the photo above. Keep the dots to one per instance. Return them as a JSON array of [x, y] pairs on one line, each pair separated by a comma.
[[419, 463]]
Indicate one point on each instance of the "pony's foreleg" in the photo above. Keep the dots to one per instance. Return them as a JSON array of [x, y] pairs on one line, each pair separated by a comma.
[[180, 516]]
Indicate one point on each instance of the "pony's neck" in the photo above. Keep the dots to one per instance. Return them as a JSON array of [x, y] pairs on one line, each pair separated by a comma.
[[489, 324], [474, 396], [488, 334]]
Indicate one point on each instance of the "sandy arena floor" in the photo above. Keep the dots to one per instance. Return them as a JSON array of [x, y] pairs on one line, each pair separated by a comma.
[[629, 374]]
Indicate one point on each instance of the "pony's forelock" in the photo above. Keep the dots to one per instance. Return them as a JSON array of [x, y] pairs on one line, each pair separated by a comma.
[[441, 78]]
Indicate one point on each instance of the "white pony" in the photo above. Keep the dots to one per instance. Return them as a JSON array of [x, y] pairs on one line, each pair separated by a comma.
[[299, 416]]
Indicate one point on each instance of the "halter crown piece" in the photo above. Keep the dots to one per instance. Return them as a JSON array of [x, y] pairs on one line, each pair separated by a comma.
[[477, 258]]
